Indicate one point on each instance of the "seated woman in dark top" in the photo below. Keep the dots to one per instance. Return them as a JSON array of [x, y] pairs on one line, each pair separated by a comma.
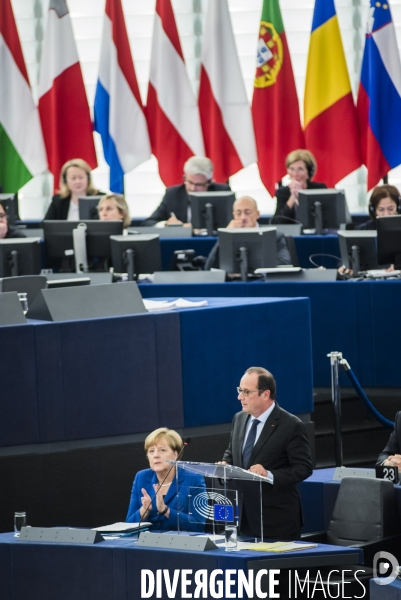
[[301, 166], [113, 207], [171, 499], [6, 231], [384, 202], [75, 182]]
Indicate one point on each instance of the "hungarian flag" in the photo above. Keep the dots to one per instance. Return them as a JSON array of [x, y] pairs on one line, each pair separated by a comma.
[[275, 108], [22, 149], [63, 105]]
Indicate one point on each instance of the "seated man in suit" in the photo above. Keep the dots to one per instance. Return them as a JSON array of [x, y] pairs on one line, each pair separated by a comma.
[[175, 207], [265, 439], [391, 455], [246, 214]]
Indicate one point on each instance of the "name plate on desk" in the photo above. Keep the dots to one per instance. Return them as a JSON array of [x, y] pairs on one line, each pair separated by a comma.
[[387, 472], [60, 536], [174, 541]]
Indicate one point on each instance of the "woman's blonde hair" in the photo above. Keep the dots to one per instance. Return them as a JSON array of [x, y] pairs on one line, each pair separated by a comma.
[[173, 439], [64, 191], [121, 205], [304, 155]]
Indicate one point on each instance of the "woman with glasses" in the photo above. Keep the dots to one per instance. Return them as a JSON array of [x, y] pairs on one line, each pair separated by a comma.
[[6, 230], [161, 492]]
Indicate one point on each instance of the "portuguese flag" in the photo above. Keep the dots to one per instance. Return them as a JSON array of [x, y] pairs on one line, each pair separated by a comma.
[[22, 151], [275, 106]]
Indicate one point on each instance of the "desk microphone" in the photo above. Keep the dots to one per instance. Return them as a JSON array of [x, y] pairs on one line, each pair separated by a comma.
[[185, 443]]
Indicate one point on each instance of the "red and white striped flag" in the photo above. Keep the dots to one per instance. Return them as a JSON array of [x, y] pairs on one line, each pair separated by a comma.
[[171, 111], [63, 105], [224, 108]]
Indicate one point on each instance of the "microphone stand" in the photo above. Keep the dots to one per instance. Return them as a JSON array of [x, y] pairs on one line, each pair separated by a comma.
[[185, 443]]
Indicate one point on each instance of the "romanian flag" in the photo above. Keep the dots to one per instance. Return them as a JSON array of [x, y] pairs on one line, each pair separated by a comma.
[[275, 108], [331, 129], [379, 96]]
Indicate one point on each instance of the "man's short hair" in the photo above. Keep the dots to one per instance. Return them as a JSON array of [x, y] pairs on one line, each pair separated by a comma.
[[266, 380], [199, 165]]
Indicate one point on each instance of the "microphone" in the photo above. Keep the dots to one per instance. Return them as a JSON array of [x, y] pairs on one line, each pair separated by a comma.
[[185, 443], [285, 218]]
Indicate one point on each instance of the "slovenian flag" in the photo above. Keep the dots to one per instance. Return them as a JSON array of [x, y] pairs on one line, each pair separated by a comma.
[[119, 116], [22, 149], [330, 121], [379, 96]]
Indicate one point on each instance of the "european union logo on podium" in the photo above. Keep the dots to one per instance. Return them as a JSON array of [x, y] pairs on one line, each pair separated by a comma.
[[224, 512]]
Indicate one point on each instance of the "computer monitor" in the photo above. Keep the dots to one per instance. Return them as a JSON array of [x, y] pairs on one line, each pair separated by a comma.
[[88, 207], [136, 254], [10, 205], [322, 209], [20, 256], [59, 243], [389, 240], [358, 250], [246, 249], [211, 210]]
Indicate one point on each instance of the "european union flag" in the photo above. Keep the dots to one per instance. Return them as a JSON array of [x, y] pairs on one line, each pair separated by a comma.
[[224, 512]]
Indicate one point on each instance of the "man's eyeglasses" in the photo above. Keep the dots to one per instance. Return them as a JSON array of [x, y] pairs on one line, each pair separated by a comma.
[[201, 186], [247, 392], [3, 215]]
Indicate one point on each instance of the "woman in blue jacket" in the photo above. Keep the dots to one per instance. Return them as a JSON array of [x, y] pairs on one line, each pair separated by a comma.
[[172, 495]]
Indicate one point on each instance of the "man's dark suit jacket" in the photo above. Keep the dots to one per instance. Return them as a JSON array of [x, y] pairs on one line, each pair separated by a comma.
[[394, 443], [176, 200], [282, 195], [283, 450], [283, 254]]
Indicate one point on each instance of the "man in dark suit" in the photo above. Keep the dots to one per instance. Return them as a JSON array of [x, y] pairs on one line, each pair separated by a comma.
[[246, 214], [175, 207], [266, 439], [391, 455]]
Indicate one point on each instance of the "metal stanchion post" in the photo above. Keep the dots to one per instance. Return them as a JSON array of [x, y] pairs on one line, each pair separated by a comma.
[[335, 359]]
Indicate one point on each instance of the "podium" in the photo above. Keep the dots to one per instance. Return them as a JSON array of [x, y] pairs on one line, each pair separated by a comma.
[[205, 502]]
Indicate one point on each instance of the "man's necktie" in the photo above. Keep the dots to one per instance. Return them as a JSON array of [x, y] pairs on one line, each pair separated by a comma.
[[250, 442]]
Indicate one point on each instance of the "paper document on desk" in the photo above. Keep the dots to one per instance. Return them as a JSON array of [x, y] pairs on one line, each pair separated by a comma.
[[122, 527], [276, 546], [379, 273], [156, 305]]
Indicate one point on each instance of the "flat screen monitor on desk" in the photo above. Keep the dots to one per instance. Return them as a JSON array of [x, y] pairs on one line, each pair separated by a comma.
[[389, 240], [323, 209], [60, 248], [247, 249], [10, 205], [136, 254], [358, 250], [211, 210], [88, 207], [20, 256]]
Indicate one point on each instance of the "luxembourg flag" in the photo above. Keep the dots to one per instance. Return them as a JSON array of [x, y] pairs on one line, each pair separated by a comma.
[[379, 95], [119, 116]]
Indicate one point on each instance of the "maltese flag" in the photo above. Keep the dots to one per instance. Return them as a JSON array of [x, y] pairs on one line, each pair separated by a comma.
[[119, 116], [223, 104], [172, 111], [63, 105]]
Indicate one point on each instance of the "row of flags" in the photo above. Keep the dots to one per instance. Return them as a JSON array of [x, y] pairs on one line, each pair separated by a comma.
[[174, 125]]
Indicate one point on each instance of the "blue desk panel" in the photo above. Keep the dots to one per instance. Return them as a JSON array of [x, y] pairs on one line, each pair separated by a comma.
[[120, 375], [305, 245], [347, 316], [391, 591], [111, 570]]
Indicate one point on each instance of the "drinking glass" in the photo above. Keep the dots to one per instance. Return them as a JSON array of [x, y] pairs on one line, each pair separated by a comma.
[[19, 522], [230, 533]]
